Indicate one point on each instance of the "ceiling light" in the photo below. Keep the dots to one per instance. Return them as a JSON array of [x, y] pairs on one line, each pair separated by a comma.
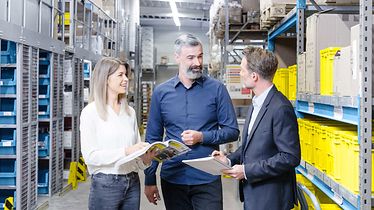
[[175, 13]]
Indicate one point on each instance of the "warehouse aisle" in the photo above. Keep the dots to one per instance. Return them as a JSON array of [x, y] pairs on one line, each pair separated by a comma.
[[77, 199]]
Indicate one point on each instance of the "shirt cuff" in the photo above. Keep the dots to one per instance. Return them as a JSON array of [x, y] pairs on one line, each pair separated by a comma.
[[207, 137], [150, 180], [245, 176]]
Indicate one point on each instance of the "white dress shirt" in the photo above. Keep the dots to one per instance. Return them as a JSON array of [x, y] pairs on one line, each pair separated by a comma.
[[103, 143], [257, 102]]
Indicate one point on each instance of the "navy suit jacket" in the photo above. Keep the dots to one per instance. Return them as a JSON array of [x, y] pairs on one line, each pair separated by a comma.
[[270, 154]]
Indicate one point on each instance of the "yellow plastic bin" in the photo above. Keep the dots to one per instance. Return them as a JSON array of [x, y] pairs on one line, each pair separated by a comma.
[[292, 80], [327, 70]]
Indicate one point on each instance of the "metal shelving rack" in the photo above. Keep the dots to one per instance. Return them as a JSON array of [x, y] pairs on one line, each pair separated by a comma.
[[351, 110]]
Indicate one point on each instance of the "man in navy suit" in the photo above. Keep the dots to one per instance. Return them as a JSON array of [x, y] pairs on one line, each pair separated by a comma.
[[265, 163]]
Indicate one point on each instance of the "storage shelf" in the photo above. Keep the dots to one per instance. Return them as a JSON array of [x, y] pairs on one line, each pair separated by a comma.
[[340, 195], [291, 19], [12, 65], [8, 126], [8, 95], [8, 187], [343, 109], [8, 156]]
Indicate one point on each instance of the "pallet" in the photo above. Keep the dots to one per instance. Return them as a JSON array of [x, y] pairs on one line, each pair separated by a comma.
[[273, 14]]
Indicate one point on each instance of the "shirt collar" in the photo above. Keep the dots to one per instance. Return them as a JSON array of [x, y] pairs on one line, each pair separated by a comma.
[[259, 100], [199, 81]]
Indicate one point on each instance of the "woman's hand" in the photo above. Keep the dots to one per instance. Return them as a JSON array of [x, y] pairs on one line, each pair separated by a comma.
[[135, 147], [148, 156]]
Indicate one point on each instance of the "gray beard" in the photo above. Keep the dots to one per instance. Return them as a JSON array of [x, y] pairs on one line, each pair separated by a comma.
[[193, 75]]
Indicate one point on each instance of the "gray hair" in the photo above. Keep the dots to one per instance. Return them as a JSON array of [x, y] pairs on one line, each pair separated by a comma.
[[99, 84], [261, 61], [186, 40]]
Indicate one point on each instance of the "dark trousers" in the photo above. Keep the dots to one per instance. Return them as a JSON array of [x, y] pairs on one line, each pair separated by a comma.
[[109, 191], [192, 197]]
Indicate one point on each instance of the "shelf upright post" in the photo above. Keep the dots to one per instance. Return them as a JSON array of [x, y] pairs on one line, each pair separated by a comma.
[[365, 131], [137, 75], [226, 40], [300, 25]]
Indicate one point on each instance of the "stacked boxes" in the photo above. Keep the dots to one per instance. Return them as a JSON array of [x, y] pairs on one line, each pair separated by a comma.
[[324, 30], [147, 48], [44, 84]]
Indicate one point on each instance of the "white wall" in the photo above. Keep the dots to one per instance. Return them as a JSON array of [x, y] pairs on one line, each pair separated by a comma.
[[164, 37]]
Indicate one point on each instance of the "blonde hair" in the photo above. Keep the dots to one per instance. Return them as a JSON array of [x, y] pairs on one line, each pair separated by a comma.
[[99, 84]]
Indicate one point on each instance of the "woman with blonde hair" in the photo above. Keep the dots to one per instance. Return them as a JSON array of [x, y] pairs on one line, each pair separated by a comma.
[[109, 132]]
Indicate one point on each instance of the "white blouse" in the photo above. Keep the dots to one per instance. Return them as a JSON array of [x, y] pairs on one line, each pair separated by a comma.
[[103, 143]]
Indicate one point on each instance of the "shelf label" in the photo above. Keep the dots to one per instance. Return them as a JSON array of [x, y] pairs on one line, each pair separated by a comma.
[[7, 113], [42, 96], [1, 83], [310, 176], [311, 107], [338, 112], [338, 198], [7, 143]]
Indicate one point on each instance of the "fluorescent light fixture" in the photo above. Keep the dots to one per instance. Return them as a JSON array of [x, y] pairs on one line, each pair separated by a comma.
[[175, 13]]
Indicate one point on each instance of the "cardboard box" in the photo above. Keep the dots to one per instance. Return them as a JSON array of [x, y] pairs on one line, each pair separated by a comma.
[[67, 139], [324, 30], [250, 5], [301, 85], [343, 82], [355, 59], [68, 103]]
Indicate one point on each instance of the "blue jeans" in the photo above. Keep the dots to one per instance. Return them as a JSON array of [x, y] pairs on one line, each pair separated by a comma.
[[110, 191]]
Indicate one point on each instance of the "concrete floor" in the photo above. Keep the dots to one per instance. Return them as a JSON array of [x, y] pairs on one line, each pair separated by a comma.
[[78, 199]]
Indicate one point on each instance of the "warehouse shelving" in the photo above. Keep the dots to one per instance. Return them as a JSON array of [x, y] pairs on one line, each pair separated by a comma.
[[351, 110], [31, 38]]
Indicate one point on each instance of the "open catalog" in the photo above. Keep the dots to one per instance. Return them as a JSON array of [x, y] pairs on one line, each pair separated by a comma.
[[165, 151], [208, 164]]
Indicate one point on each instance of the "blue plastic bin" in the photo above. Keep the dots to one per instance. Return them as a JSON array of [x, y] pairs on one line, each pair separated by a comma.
[[43, 180], [8, 80], [8, 172], [44, 81], [8, 107], [44, 70], [43, 145], [44, 109], [8, 52], [44, 91], [4, 194], [8, 141]]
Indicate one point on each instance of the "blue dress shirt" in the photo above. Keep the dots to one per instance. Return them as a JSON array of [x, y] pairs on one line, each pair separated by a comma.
[[206, 106]]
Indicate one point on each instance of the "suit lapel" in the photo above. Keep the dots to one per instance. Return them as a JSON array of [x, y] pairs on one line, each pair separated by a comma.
[[246, 124], [260, 115]]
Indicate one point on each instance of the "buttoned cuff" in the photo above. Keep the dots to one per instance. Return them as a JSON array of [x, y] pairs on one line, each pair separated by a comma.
[[207, 137], [245, 176]]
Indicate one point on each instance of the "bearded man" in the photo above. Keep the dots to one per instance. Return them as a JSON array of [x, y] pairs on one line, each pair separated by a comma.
[[196, 110]]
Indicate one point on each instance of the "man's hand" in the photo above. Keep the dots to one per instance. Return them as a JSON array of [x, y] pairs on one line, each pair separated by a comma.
[[151, 192], [220, 156], [191, 137], [236, 172]]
